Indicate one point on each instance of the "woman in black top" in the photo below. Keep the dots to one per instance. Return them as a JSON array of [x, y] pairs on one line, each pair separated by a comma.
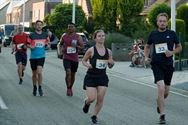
[[96, 59]]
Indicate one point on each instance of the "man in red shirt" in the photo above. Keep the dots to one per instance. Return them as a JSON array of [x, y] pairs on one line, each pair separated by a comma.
[[19, 42], [70, 43]]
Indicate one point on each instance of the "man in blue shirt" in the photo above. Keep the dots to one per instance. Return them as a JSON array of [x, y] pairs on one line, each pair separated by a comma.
[[37, 42]]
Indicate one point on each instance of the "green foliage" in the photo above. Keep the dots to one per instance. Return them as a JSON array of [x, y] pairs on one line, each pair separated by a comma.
[[63, 15], [107, 12], [180, 31], [160, 8], [128, 9], [116, 38], [142, 28], [182, 13]]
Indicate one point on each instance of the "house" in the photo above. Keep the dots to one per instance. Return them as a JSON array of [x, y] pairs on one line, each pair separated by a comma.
[[149, 4], [3, 10], [15, 12], [43, 8], [85, 4]]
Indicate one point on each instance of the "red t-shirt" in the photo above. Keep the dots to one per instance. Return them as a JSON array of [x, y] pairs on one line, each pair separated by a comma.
[[71, 52], [19, 40]]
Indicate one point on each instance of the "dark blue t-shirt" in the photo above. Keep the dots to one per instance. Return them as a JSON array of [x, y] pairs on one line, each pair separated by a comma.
[[161, 41]]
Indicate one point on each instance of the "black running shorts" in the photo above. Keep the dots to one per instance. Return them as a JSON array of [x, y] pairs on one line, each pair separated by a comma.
[[21, 57], [69, 64], [163, 72], [94, 81], [36, 62]]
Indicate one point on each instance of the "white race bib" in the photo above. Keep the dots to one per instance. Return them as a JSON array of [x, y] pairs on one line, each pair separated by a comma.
[[19, 46], [39, 44], [161, 48], [101, 64], [71, 50]]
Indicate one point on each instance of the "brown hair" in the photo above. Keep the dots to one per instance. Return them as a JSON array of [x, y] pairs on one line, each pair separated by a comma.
[[162, 14], [38, 21], [96, 32]]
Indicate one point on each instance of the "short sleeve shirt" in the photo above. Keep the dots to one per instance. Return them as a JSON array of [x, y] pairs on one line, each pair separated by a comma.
[[39, 42], [19, 41], [162, 41]]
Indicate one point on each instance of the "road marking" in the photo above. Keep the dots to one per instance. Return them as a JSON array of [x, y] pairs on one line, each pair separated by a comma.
[[145, 84], [2, 104]]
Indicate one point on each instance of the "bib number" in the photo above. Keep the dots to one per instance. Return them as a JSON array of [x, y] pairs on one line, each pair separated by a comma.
[[19, 46], [161, 48], [39, 44], [71, 50], [101, 64]]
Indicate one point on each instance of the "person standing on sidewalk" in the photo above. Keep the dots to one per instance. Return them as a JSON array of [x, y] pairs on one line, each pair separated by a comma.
[[19, 43], [37, 41], [70, 43], [163, 41], [96, 59]]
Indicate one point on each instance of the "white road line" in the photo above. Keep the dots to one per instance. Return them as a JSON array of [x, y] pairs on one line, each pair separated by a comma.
[[2, 104], [145, 84]]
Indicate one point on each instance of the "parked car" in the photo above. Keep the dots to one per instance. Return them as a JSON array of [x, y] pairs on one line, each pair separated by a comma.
[[54, 41], [80, 51]]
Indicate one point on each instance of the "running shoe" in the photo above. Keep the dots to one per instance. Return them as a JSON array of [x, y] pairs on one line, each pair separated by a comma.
[[34, 91], [86, 108], [158, 110], [69, 92], [162, 119], [40, 91], [20, 82], [94, 119]]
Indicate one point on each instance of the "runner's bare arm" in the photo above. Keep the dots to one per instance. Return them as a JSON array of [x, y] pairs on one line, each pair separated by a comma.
[[177, 49], [146, 51], [110, 60], [48, 42], [86, 57], [80, 43]]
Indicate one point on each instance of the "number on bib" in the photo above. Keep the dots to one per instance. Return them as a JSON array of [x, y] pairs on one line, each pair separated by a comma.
[[39, 44], [71, 50], [161, 48], [101, 64], [19, 46]]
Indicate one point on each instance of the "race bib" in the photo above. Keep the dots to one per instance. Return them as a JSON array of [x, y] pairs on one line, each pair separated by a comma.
[[161, 48], [19, 46], [39, 44], [101, 64], [71, 50]]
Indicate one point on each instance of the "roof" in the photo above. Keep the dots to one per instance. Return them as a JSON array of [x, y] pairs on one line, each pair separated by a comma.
[[4, 4], [16, 3]]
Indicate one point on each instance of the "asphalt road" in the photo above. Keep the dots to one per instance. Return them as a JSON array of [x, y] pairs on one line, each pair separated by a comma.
[[126, 103]]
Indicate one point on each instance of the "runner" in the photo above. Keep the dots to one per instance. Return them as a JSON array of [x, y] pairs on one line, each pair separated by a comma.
[[70, 43], [37, 42], [96, 79], [163, 41], [1, 38], [19, 42]]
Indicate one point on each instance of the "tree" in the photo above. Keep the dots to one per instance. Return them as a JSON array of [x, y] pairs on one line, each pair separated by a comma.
[[63, 15], [182, 11], [128, 9], [160, 8]]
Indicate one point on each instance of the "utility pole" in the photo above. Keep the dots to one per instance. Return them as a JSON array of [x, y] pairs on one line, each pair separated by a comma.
[[173, 15], [73, 11]]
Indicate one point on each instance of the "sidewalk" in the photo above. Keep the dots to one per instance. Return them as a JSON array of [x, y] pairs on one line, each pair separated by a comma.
[[179, 80]]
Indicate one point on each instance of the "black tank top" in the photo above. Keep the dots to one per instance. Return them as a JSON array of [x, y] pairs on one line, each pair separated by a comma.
[[99, 63]]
